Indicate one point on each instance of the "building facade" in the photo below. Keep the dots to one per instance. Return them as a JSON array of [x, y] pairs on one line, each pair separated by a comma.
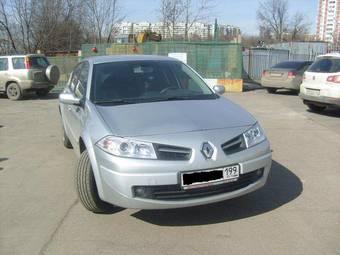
[[197, 31], [328, 19]]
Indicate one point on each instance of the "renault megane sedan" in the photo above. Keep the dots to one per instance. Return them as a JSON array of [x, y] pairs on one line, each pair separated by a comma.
[[151, 134]]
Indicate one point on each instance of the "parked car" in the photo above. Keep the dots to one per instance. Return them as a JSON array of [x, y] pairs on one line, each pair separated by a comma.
[[151, 134], [284, 75], [24, 73], [321, 83]]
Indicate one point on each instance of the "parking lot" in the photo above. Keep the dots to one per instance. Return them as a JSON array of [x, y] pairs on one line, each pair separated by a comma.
[[297, 212]]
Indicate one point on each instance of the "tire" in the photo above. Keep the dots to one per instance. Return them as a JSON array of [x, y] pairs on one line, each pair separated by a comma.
[[14, 91], [271, 90], [87, 189], [42, 93], [316, 108], [66, 140]]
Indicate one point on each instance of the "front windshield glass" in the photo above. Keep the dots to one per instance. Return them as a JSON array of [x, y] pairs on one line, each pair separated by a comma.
[[143, 81]]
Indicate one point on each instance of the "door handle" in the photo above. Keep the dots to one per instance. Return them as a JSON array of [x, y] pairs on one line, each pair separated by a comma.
[[69, 108]]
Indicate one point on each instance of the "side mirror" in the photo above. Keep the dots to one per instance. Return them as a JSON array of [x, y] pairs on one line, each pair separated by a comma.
[[219, 89], [69, 98]]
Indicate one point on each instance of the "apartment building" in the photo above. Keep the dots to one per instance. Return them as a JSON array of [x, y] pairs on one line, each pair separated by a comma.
[[200, 30], [328, 26]]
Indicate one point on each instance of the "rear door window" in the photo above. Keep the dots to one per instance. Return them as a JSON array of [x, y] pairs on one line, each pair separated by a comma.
[[325, 65], [38, 62], [18, 63], [3, 64]]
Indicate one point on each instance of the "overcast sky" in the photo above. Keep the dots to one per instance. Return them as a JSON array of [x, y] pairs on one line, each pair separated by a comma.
[[241, 13]]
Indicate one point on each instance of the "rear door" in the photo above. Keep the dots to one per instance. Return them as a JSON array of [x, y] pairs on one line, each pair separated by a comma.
[[317, 74], [37, 68]]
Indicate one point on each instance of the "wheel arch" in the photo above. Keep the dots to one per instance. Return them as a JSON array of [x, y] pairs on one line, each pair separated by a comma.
[[11, 81], [85, 143]]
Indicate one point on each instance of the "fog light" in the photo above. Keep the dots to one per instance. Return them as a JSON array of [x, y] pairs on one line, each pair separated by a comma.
[[142, 192], [259, 172]]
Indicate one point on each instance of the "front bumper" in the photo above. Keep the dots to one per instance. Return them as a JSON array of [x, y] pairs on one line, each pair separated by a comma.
[[118, 177], [320, 99]]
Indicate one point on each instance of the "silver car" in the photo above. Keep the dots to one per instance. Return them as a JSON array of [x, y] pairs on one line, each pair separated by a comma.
[[27, 73], [150, 134]]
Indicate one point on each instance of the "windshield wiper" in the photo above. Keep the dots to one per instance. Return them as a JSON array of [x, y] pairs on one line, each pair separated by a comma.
[[196, 97], [115, 101]]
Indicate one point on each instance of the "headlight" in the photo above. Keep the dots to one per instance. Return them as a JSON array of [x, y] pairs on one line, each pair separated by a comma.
[[128, 148], [254, 135]]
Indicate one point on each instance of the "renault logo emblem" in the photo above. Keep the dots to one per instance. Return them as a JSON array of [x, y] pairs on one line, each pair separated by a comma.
[[207, 150]]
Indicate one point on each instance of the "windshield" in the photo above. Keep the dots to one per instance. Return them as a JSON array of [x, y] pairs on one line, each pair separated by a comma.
[[290, 65], [144, 81], [325, 65]]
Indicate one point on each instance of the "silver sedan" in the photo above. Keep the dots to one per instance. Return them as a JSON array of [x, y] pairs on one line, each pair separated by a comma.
[[150, 134]]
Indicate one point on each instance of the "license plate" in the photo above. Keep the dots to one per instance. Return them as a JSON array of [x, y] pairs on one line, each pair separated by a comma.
[[276, 74], [231, 172], [313, 92], [199, 179]]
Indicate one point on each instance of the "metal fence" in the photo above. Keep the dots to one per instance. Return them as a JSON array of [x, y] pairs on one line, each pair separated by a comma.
[[257, 60]]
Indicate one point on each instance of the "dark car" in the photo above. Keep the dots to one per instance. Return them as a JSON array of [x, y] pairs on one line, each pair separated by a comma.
[[284, 75]]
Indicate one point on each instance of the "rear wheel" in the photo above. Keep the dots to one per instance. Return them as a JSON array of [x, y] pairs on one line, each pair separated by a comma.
[[316, 108], [66, 140], [271, 90], [14, 91], [87, 188]]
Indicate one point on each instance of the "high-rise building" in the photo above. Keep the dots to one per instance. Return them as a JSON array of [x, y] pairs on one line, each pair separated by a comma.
[[328, 26]]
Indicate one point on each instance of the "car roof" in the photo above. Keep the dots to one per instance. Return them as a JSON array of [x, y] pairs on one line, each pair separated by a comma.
[[332, 54], [23, 55], [121, 58]]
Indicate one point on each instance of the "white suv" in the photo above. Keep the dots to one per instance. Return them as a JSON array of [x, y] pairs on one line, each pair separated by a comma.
[[321, 83]]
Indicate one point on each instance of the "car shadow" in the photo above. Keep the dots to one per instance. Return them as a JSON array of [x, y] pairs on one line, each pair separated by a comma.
[[282, 187], [33, 96], [2, 159], [286, 93], [329, 112]]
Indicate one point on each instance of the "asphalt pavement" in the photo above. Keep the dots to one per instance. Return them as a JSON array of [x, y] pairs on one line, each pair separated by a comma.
[[297, 212]]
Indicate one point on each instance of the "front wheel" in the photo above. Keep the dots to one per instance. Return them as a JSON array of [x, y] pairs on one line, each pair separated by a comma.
[[316, 108], [87, 188]]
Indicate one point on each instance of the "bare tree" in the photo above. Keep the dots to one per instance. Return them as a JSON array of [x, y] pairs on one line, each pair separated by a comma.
[[171, 12], [298, 26], [103, 15], [273, 15], [23, 12], [5, 26], [198, 12]]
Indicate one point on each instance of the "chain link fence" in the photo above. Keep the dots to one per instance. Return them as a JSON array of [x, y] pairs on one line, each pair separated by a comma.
[[210, 59]]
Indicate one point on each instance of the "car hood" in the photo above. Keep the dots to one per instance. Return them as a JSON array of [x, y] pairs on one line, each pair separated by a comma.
[[170, 117]]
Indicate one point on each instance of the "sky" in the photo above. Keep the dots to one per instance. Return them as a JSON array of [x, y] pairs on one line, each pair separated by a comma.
[[240, 13]]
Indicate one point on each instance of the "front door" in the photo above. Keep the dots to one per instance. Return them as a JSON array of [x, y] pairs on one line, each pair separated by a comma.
[[3, 73]]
